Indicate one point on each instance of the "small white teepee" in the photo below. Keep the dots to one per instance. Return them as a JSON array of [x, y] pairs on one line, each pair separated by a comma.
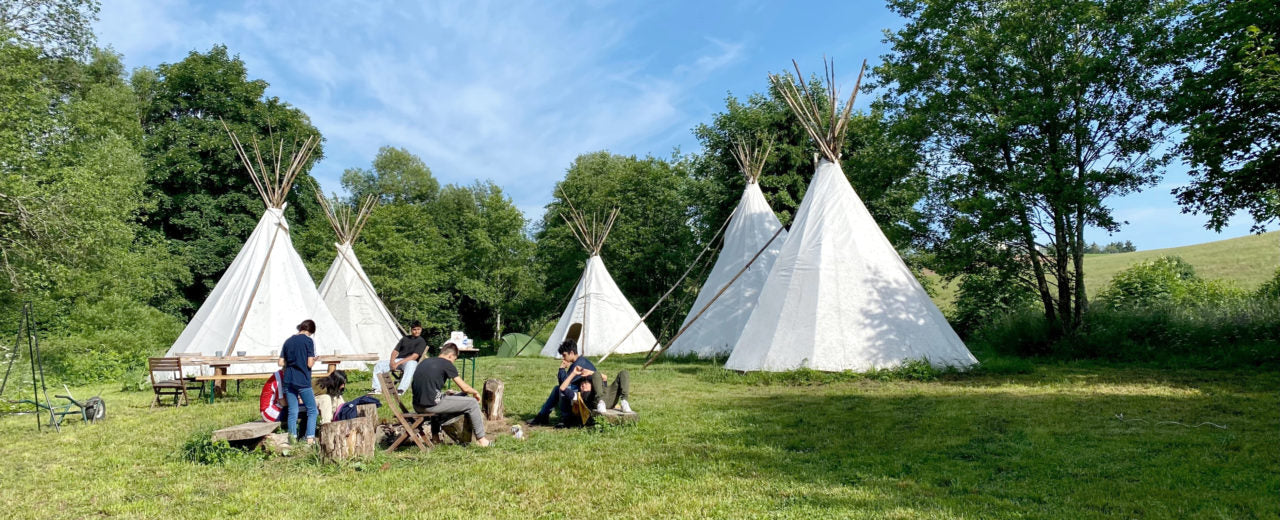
[[713, 330], [839, 297], [266, 291], [346, 288], [598, 315]]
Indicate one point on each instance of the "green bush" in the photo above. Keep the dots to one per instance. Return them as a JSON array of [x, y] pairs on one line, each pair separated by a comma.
[[108, 341], [1164, 281], [1241, 332], [1270, 289], [202, 449], [985, 297]]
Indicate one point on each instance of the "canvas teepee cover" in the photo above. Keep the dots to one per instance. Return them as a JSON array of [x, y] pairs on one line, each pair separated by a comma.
[[839, 297], [751, 226], [266, 291], [346, 288], [598, 312]]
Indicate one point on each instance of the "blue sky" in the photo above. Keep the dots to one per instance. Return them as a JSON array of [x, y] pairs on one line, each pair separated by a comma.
[[512, 93]]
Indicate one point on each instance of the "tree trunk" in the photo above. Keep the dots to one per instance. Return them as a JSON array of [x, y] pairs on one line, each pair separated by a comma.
[[350, 438], [491, 400]]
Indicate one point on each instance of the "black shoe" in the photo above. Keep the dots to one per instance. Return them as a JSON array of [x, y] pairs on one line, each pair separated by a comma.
[[541, 420]]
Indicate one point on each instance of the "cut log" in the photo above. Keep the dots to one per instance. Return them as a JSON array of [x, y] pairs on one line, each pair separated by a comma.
[[249, 431], [458, 429], [491, 400], [350, 438], [616, 417]]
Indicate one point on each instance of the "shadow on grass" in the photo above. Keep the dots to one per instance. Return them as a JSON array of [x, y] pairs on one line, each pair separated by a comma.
[[989, 454]]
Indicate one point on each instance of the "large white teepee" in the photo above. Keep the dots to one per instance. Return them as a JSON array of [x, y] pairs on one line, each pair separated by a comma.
[[346, 288], [839, 297], [266, 291], [598, 314], [713, 330]]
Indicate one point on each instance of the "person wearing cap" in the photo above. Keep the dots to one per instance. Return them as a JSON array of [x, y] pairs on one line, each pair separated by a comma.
[[405, 356]]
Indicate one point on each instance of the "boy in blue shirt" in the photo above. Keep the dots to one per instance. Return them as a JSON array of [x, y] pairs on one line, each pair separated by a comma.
[[574, 371]]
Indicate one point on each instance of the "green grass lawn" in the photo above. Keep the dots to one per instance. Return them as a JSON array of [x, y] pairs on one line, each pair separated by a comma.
[[1246, 261], [1043, 444]]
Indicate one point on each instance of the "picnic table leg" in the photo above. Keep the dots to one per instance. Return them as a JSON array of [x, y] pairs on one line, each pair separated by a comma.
[[221, 386]]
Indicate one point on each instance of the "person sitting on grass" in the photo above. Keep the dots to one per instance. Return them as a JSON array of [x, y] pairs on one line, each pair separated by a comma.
[[329, 400], [574, 371], [428, 391], [599, 395]]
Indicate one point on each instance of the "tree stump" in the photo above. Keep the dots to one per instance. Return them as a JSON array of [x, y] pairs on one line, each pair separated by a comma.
[[350, 438], [458, 429], [491, 400], [616, 417]]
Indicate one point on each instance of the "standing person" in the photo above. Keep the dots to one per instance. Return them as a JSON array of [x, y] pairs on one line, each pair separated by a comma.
[[428, 391], [406, 355], [574, 371], [297, 357]]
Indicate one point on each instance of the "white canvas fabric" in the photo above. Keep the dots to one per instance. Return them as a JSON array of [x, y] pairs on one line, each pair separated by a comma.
[[350, 296], [840, 298], [716, 332], [285, 296], [605, 315]]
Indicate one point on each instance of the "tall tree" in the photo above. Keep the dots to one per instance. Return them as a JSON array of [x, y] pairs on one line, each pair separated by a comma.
[[204, 201], [1038, 111], [651, 244], [58, 28], [397, 176], [1226, 99]]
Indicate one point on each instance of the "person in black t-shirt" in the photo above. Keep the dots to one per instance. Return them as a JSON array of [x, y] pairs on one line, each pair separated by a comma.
[[406, 355], [429, 396]]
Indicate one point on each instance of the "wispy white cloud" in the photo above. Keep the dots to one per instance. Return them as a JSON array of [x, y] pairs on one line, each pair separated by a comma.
[[480, 90]]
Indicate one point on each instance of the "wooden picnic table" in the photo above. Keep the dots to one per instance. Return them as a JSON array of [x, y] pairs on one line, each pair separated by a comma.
[[221, 365]]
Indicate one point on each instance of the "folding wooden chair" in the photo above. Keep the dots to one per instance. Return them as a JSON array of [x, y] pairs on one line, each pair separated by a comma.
[[412, 422], [176, 386]]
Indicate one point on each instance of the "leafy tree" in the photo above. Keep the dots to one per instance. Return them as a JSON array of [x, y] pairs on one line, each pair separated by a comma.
[[204, 202], [397, 176], [491, 268], [651, 244], [454, 258], [58, 28], [1037, 112], [1225, 97]]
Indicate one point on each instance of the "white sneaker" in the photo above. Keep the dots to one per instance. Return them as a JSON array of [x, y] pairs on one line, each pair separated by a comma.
[[626, 408], [600, 409]]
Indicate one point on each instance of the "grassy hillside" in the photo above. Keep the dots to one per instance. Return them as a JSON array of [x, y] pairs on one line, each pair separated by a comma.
[[1247, 261]]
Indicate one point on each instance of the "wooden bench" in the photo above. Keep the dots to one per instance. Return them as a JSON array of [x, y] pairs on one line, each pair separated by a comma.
[[616, 416]]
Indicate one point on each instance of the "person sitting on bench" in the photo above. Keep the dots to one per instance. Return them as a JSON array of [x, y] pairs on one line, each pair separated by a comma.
[[405, 356], [574, 371], [429, 396], [329, 399]]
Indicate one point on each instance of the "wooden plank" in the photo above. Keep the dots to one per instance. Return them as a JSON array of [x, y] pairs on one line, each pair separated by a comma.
[[246, 431], [616, 416]]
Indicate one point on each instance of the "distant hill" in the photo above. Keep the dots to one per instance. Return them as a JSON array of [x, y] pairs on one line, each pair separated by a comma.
[[1248, 261]]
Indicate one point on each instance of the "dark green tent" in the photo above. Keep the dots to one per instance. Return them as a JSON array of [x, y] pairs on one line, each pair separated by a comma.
[[513, 343]]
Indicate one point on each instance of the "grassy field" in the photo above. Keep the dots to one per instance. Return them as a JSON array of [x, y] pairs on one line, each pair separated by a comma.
[[1248, 261], [1045, 443]]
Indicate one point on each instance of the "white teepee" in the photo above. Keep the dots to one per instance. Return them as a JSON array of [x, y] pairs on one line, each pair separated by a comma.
[[598, 314], [839, 297], [266, 291], [346, 288], [727, 298]]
